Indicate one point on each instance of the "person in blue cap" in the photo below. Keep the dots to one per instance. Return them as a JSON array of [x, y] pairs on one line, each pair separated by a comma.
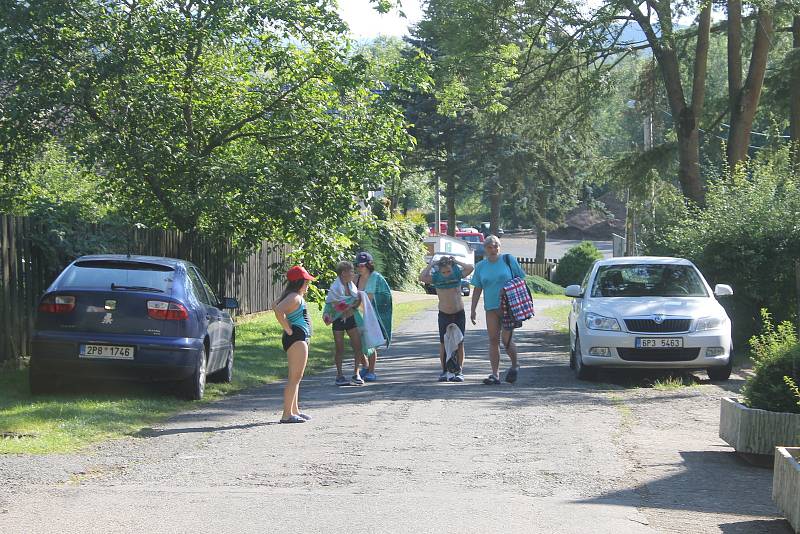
[[380, 295]]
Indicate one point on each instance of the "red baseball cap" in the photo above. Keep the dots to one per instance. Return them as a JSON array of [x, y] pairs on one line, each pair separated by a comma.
[[298, 273]]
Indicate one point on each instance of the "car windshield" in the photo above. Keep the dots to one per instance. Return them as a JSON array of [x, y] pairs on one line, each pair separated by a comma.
[[471, 238], [98, 274], [648, 280]]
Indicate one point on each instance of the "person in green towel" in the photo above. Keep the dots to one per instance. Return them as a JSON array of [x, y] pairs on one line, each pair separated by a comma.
[[380, 295]]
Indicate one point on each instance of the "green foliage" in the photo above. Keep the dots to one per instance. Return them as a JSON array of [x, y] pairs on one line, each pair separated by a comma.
[[396, 245], [576, 263], [776, 355], [747, 236], [247, 120], [793, 387], [537, 284]]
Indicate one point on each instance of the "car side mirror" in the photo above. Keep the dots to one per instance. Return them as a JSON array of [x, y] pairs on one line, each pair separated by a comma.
[[574, 291], [229, 303], [723, 290]]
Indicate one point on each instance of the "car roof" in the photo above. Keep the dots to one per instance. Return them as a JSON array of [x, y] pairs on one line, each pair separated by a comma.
[[646, 260], [157, 260]]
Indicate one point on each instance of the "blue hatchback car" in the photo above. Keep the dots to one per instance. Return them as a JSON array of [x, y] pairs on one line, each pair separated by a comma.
[[135, 318]]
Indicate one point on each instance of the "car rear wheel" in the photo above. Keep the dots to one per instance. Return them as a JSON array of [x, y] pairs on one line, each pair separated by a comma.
[[581, 371], [226, 373], [195, 386]]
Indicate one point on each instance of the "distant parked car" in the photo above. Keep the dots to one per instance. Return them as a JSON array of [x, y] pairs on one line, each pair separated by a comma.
[[475, 240], [485, 229], [134, 318], [645, 312]]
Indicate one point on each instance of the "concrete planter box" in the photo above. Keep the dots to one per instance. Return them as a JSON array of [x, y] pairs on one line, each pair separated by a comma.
[[786, 484], [753, 431]]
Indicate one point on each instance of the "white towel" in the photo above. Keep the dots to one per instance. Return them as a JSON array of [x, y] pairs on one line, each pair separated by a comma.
[[452, 339], [337, 292], [372, 335]]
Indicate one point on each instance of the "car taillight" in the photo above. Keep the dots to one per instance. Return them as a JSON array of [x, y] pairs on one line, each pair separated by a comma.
[[171, 311], [57, 304]]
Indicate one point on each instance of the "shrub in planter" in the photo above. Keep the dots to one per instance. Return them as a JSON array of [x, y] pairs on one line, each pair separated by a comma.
[[576, 263], [776, 354]]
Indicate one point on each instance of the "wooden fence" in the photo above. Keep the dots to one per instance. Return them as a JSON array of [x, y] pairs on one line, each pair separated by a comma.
[[538, 269], [27, 269]]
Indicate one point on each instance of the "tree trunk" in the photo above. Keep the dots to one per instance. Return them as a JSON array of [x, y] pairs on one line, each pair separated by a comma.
[[734, 50], [450, 200], [494, 206], [745, 102], [794, 95], [685, 115], [541, 246]]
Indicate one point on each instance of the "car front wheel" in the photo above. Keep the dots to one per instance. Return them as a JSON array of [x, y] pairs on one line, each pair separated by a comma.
[[721, 374], [581, 371]]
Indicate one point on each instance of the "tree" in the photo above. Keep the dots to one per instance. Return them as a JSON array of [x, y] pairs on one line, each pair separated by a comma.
[[232, 118]]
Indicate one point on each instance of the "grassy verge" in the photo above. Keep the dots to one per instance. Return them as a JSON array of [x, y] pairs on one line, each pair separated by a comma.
[[560, 316], [74, 418]]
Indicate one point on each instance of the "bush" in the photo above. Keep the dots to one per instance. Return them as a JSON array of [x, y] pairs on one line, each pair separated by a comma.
[[537, 284], [397, 247], [576, 263], [776, 353], [747, 236]]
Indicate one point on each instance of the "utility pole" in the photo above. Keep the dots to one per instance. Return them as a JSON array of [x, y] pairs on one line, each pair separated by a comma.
[[438, 205]]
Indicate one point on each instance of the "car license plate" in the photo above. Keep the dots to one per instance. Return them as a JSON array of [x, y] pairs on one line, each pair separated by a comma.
[[111, 352], [659, 342]]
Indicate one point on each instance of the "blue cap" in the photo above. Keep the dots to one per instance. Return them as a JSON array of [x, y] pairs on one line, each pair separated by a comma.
[[363, 257]]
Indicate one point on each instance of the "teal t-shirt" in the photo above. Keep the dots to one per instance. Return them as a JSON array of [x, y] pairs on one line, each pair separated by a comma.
[[492, 276], [446, 282]]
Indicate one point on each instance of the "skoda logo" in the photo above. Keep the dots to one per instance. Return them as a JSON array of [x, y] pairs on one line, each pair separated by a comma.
[[658, 318]]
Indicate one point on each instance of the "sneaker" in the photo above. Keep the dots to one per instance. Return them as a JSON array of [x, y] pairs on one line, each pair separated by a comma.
[[491, 380], [511, 375], [356, 380], [458, 377], [370, 377], [443, 376], [342, 381]]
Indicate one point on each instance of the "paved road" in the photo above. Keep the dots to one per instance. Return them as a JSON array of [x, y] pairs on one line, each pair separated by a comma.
[[408, 454], [524, 246]]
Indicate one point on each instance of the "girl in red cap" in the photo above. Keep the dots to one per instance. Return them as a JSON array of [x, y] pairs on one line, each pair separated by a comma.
[[292, 314]]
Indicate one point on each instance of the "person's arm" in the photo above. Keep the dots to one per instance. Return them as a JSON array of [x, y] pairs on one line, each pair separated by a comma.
[[425, 276], [476, 296], [466, 268], [287, 305]]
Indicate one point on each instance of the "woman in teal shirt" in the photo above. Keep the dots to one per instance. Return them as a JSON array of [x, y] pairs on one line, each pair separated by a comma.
[[490, 275]]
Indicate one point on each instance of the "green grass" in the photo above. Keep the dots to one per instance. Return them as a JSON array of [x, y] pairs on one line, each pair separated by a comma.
[[73, 419], [560, 315], [672, 382], [537, 284]]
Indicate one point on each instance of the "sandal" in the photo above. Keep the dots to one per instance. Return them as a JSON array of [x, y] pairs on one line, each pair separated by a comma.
[[304, 416], [491, 380], [293, 419], [511, 375]]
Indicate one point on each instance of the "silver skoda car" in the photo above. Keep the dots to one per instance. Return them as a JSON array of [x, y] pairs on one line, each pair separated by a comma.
[[648, 312]]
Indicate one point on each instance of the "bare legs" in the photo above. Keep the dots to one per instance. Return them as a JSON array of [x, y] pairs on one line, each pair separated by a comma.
[[297, 356], [459, 355], [493, 325]]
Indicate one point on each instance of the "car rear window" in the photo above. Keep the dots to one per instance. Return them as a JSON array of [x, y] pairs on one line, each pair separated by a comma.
[[648, 280], [101, 274]]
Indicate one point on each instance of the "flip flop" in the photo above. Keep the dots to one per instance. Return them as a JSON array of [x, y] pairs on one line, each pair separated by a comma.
[[293, 419]]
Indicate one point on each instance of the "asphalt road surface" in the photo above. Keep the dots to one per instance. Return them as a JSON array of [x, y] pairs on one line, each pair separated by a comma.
[[407, 454]]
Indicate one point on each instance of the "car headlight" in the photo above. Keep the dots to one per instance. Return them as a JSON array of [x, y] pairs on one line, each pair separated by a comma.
[[598, 322], [709, 323]]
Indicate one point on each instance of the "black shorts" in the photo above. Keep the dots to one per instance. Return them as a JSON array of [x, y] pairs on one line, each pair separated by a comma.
[[445, 319], [298, 334], [343, 325]]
